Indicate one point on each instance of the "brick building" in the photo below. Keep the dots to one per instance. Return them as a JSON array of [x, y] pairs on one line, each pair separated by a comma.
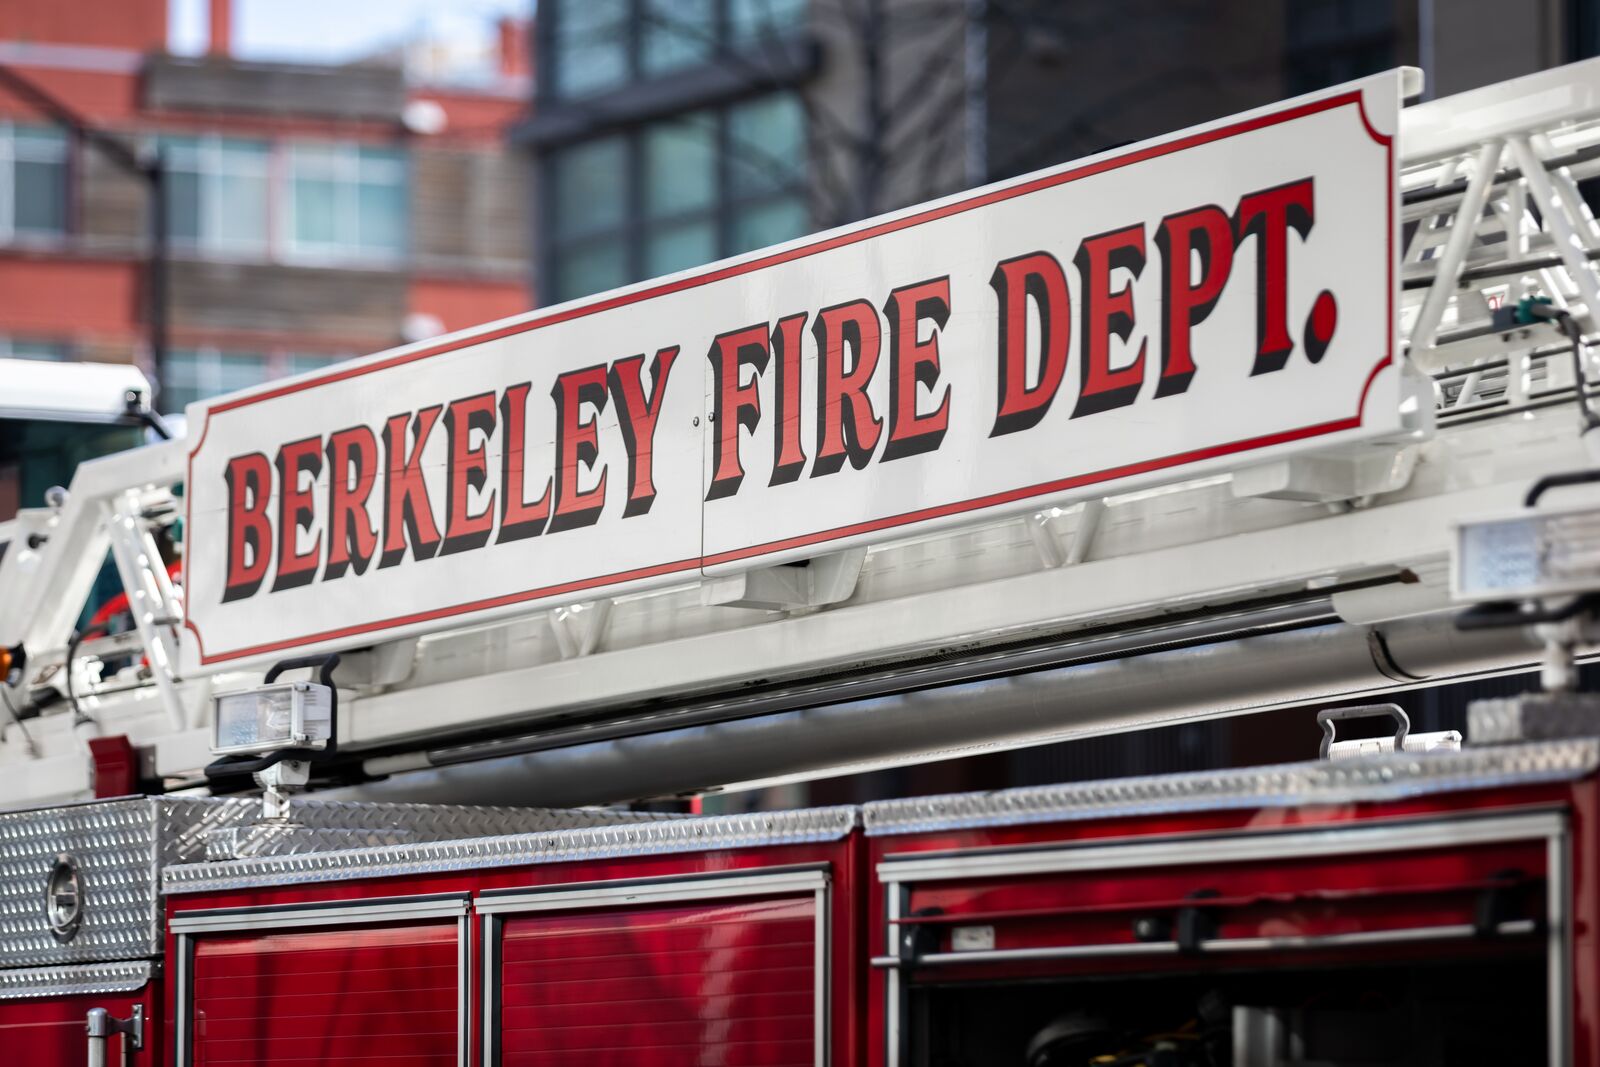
[[314, 212]]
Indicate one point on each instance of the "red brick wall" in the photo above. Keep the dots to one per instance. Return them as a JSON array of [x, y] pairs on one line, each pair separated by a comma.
[[459, 304], [136, 24]]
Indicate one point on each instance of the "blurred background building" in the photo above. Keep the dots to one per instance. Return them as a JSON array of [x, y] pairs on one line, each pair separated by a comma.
[[314, 211], [672, 132]]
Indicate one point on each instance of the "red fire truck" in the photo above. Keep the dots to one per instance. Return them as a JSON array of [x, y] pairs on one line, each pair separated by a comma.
[[1290, 407], [1417, 909]]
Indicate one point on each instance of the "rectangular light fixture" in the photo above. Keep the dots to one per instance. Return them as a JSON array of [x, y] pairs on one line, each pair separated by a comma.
[[271, 717], [1528, 555]]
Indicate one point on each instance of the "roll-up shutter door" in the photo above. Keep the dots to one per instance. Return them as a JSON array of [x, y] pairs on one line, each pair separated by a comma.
[[372, 995], [730, 983]]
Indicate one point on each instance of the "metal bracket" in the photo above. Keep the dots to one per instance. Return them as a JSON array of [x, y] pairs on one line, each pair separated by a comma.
[[812, 583], [1329, 477], [579, 627], [101, 1025]]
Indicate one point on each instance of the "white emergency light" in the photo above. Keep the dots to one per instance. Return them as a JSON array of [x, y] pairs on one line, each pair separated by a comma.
[[1526, 556], [272, 717]]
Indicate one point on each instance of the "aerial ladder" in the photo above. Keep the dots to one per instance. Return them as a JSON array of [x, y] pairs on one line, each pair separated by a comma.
[[1287, 581]]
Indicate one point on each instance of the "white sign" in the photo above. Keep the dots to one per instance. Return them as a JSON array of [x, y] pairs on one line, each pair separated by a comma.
[[1200, 302]]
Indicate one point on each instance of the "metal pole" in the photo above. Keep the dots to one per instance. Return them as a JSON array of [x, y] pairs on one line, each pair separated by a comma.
[[1448, 270], [98, 1025], [155, 172]]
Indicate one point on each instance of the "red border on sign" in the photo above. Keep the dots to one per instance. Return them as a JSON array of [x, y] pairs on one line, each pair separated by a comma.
[[716, 274]]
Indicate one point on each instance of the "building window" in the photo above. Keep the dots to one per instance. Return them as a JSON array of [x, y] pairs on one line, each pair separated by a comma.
[[47, 351], [675, 194], [33, 182], [201, 373], [598, 45], [591, 38], [217, 193], [346, 202]]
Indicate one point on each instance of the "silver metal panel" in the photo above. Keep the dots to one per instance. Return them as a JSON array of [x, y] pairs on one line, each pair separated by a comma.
[[119, 846], [87, 978], [621, 838], [1389, 777], [322, 826]]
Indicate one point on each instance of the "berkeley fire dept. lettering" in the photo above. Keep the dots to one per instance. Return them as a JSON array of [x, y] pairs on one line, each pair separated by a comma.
[[378, 501]]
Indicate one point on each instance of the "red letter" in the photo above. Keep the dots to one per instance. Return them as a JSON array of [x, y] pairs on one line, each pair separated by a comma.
[[788, 458], [1268, 216], [352, 539], [407, 512], [519, 517], [738, 403], [1014, 281], [1107, 312], [913, 363], [578, 441], [467, 468], [853, 325], [637, 421], [295, 460], [249, 528], [1206, 232]]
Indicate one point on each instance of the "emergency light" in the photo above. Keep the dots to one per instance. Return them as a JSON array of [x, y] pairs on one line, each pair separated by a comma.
[[272, 717], [1527, 556]]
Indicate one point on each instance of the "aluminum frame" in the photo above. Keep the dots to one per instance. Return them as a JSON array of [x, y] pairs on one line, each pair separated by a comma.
[[899, 872], [816, 879], [187, 927]]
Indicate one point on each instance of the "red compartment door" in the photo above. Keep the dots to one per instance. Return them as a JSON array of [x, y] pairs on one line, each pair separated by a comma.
[[730, 983], [381, 995]]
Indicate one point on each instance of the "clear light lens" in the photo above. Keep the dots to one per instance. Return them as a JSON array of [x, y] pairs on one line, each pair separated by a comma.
[[249, 719], [293, 715], [1528, 556]]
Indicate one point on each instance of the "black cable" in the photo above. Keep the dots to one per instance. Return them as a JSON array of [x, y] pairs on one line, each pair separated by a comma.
[[1569, 326], [78, 715]]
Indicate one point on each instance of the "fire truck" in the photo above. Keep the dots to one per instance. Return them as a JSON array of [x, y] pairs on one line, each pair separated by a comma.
[[1278, 411]]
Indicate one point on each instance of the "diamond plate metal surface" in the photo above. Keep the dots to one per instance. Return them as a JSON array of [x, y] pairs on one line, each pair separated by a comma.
[[1286, 785], [623, 836], [119, 846], [320, 826], [87, 978]]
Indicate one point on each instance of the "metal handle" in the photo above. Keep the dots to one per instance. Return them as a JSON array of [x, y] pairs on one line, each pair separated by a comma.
[[100, 1025], [1245, 945], [1328, 716], [1559, 481]]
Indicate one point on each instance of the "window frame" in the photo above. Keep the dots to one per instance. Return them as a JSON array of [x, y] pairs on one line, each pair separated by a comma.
[[209, 173], [9, 234], [350, 175], [638, 224], [276, 363], [549, 27]]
